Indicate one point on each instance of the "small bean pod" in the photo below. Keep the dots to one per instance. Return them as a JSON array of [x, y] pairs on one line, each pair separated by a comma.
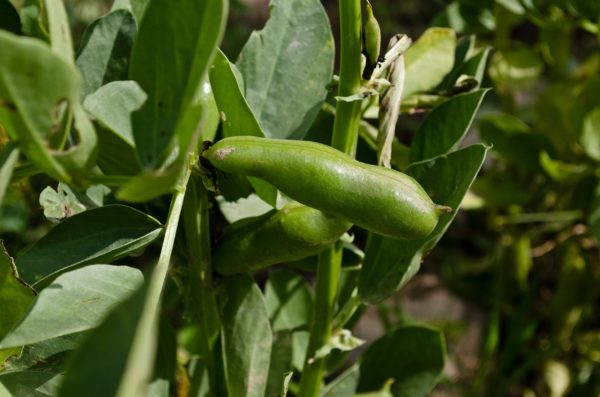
[[382, 200], [372, 37], [294, 232]]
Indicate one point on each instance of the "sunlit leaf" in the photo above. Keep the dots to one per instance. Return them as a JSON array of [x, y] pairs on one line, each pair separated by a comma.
[[287, 66]]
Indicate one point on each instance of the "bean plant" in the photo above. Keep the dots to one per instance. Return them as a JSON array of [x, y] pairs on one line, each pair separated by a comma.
[[213, 228], [534, 268]]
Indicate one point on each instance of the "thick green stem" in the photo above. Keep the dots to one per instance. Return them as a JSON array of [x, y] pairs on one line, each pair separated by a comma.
[[345, 127], [327, 280], [201, 293], [345, 137]]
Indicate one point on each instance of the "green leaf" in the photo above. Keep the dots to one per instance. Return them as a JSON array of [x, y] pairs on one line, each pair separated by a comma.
[[186, 119], [288, 299], [30, 383], [590, 136], [151, 184], [467, 61], [115, 156], [428, 60], [112, 106], [170, 58], [236, 116], [281, 362], [465, 47], [476, 65], [70, 304], [390, 263], [48, 355], [35, 84], [385, 391], [458, 171], [15, 297], [514, 6], [412, 356], [59, 30], [248, 207], [287, 66], [344, 385], [445, 126], [92, 357], [38, 370], [563, 172], [98, 235], [513, 140], [105, 48], [246, 336], [31, 19], [559, 117], [166, 361], [466, 17], [300, 345], [136, 7], [9, 155], [514, 69], [142, 350], [498, 191], [9, 18]]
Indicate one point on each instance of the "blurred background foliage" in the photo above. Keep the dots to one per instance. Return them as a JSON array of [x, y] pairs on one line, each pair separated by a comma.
[[515, 282]]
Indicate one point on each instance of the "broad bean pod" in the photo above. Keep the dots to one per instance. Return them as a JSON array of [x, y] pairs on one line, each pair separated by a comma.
[[378, 199], [292, 233]]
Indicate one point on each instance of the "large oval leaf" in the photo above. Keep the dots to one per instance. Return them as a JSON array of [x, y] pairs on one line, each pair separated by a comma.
[[105, 49], [111, 105], [287, 66], [412, 356], [429, 59], [76, 301], [445, 126], [288, 299], [246, 336], [97, 235], [37, 372], [106, 351]]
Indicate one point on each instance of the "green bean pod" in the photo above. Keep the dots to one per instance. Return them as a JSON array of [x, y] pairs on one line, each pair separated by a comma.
[[382, 200], [294, 232], [372, 36]]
